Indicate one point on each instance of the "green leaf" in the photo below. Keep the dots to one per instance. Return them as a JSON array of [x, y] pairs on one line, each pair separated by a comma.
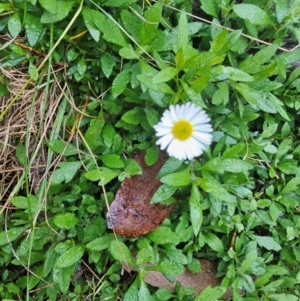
[[216, 189], [267, 242], [70, 257], [67, 220], [149, 29], [62, 277], [183, 33], [112, 161], [105, 175], [157, 87], [33, 28], [283, 297], [132, 167], [168, 267], [120, 252], [269, 131], [21, 153], [209, 6], [19, 202], [151, 155], [112, 33], [107, 64], [282, 9], [291, 186], [49, 5], [163, 235], [164, 75], [32, 71], [163, 193], [65, 172], [62, 9], [93, 20], [235, 74], [220, 165], [214, 242], [132, 293], [211, 293], [14, 25], [10, 235], [101, 243], [252, 13], [50, 258], [92, 135], [177, 179], [128, 53], [63, 148], [119, 83], [133, 116], [195, 209]]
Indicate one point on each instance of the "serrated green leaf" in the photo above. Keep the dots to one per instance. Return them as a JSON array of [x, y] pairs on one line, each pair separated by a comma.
[[70, 257], [269, 131], [133, 116], [101, 243], [283, 297], [149, 29], [63, 148], [120, 252], [49, 5], [112, 33], [10, 235], [164, 75], [163, 193], [65, 172], [92, 135], [21, 153], [211, 293], [93, 20], [118, 3], [112, 161], [235, 74], [182, 31], [163, 235], [119, 83], [67, 220], [107, 64], [19, 202], [214, 242], [252, 13], [33, 28], [168, 267], [151, 155], [209, 6], [49, 261], [267, 242], [177, 179], [291, 186], [195, 210], [220, 165], [102, 174], [62, 10], [128, 53], [14, 25], [157, 87], [62, 277]]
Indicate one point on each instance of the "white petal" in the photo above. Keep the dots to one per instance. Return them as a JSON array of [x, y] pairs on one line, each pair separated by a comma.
[[163, 131], [164, 141], [205, 138], [203, 128], [173, 113]]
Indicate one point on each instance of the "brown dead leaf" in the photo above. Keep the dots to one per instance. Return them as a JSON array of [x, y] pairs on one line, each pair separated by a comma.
[[130, 213], [198, 281]]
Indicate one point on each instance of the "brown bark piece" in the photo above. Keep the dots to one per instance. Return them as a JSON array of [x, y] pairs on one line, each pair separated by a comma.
[[130, 213]]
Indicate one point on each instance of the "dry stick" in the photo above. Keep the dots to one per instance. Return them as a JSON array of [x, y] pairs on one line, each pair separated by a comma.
[[42, 63], [232, 30]]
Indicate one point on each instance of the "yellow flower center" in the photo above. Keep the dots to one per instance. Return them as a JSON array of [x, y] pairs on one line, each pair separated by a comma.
[[182, 130]]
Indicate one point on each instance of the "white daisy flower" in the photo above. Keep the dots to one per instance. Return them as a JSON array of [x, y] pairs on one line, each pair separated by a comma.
[[184, 130]]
